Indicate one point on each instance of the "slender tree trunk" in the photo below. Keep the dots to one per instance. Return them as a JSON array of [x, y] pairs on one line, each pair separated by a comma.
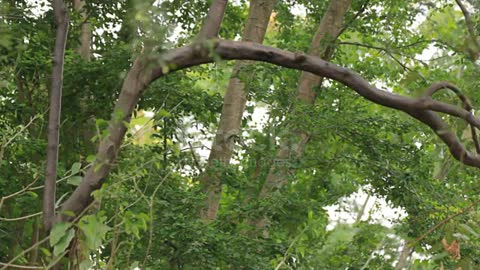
[[211, 25], [33, 257], [233, 108], [292, 146], [61, 19], [84, 49], [402, 262]]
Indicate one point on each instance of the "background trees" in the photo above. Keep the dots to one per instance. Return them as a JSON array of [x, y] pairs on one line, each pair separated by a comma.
[[319, 140]]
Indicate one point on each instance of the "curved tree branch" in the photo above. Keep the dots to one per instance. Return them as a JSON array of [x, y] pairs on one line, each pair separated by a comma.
[[424, 109], [465, 102]]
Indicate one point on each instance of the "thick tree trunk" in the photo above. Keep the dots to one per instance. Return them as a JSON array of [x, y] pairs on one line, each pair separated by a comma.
[[61, 19], [233, 108], [292, 146]]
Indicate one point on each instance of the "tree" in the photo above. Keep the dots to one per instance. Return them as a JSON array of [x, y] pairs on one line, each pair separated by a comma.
[[286, 173]]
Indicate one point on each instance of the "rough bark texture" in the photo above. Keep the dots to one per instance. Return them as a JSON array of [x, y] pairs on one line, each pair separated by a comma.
[[233, 108], [423, 109], [292, 147], [61, 20]]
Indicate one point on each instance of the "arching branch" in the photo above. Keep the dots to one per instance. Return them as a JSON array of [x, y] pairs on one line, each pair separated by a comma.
[[424, 109]]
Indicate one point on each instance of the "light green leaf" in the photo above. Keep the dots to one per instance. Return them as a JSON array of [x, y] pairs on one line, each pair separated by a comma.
[[58, 231], [94, 229], [74, 180], [86, 264], [64, 242], [76, 167]]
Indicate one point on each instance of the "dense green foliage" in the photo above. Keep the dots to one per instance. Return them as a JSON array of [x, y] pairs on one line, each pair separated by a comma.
[[147, 211]]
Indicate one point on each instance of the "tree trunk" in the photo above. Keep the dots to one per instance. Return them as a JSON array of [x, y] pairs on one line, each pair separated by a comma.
[[61, 20], [292, 146], [233, 108], [402, 262], [84, 49], [211, 25]]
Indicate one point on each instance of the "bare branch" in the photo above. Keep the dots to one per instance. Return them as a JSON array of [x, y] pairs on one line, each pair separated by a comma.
[[21, 266], [21, 218]]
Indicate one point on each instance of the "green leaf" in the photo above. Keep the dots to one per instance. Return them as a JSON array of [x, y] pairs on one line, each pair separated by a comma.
[[74, 180], [58, 231], [46, 252], [86, 264], [33, 194], [94, 229], [91, 158], [76, 167], [64, 242]]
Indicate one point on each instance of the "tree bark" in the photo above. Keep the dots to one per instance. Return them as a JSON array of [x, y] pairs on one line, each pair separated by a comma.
[[293, 145], [61, 20], [233, 108], [214, 18]]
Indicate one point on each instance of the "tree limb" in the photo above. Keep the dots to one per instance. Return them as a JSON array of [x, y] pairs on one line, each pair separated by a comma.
[[424, 109]]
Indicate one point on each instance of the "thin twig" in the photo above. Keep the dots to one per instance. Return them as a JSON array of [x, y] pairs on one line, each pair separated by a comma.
[[4, 146], [21, 266], [21, 218], [464, 210]]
